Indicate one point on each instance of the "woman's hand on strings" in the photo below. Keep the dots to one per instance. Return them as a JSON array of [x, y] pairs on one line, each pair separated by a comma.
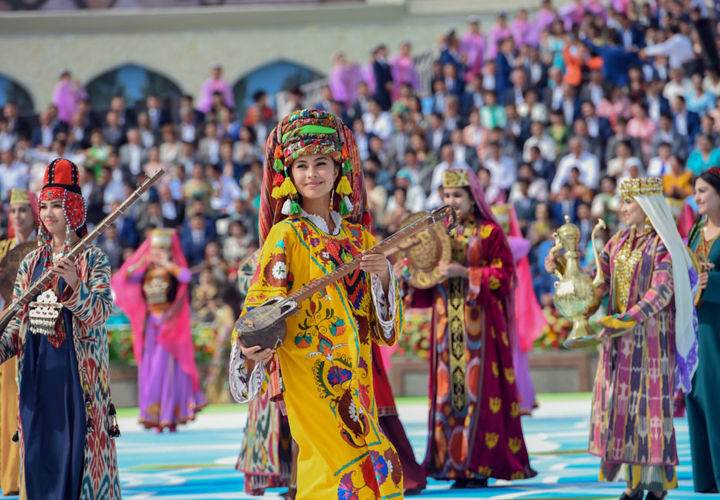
[[256, 352], [376, 263], [67, 270]]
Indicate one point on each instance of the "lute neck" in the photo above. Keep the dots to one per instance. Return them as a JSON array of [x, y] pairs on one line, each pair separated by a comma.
[[41, 283]]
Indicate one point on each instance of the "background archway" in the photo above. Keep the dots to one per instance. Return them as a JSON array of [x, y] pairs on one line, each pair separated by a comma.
[[11, 90], [132, 81], [272, 78]]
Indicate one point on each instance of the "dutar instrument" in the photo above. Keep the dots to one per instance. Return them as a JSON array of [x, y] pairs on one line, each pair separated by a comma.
[[264, 325], [41, 284]]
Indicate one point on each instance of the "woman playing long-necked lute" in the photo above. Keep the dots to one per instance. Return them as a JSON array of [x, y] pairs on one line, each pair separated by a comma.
[[311, 223]]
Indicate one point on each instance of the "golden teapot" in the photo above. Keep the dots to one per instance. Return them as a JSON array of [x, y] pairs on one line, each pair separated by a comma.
[[574, 290]]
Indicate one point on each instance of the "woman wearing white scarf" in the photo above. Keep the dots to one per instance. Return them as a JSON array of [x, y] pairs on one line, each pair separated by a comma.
[[649, 344]]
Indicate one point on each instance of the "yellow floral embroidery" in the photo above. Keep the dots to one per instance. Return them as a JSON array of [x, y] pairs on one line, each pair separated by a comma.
[[515, 444], [485, 230], [494, 283], [491, 439], [495, 404], [505, 338], [514, 409], [495, 369], [510, 375], [518, 475], [496, 262]]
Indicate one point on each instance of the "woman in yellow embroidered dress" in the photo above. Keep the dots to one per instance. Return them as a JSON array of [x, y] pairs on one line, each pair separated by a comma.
[[313, 171]]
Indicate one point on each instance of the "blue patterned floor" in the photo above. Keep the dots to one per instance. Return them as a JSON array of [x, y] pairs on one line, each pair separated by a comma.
[[198, 462]]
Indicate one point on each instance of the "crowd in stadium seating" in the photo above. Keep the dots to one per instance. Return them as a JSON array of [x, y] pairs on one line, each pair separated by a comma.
[[551, 109]]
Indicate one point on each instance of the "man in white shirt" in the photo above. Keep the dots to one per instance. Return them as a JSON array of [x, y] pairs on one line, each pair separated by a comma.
[[133, 154], [540, 139], [226, 189], [677, 86], [502, 168], [585, 162], [678, 48], [13, 173], [377, 121]]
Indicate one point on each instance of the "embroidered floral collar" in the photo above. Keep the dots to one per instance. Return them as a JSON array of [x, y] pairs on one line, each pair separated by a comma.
[[322, 225]]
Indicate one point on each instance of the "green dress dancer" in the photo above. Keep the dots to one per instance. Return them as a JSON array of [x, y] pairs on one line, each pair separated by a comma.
[[703, 402]]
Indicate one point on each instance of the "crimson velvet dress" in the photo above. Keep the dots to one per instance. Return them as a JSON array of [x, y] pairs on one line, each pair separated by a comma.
[[474, 422]]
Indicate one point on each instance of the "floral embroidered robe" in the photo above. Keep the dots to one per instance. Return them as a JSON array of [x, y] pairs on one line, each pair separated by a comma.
[[474, 429], [90, 305], [632, 404], [326, 361]]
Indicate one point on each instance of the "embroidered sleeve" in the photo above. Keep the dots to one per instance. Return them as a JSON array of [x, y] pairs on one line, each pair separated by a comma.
[[493, 277], [387, 303], [385, 306], [91, 300], [245, 385]]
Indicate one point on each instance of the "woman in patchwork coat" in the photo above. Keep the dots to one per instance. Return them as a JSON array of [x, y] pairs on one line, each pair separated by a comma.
[[66, 422]]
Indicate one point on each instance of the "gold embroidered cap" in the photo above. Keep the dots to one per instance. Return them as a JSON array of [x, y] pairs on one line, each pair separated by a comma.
[[647, 186], [19, 197], [455, 179], [161, 238]]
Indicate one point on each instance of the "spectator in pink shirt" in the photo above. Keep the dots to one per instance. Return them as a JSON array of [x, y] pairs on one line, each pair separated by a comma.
[[545, 16], [403, 69], [572, 13], [597, 9], [620, 5], [642, 127], [343, 80], [67, 95], [472, 48], [614, 105], [216, 83], [524, 32], [499, 31]]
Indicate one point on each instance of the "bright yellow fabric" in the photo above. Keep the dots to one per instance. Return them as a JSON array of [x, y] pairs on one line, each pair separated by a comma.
[[326, 364], [9, 451]]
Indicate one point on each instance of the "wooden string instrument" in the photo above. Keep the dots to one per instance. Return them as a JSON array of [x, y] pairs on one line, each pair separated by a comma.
[[77, 249], [264, 325]]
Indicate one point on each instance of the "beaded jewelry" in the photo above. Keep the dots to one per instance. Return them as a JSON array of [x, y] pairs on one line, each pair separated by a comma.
[[61, 182]]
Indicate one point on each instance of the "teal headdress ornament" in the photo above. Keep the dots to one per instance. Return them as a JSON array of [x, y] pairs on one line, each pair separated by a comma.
[[311, 132]]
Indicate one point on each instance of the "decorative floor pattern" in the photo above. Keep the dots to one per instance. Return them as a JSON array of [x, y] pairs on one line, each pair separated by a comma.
[[198, 462]]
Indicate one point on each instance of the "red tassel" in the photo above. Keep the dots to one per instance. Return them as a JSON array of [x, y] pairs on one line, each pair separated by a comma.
[[367, 220], [344, 151], [278, 179], [278, 151]]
